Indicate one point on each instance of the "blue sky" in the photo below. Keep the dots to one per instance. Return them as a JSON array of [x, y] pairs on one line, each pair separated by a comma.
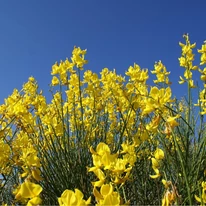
[[36, 34]]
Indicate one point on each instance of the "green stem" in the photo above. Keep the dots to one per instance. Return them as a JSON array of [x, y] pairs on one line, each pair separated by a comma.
[[184, 170]]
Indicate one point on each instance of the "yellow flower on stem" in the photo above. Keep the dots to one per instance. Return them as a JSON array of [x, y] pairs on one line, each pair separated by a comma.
[[36, 174], [203, 197], [155, 163], [101, 176], [29, 190], [203, 54], [159, 154], [55, 81], [168, 198], [34, 201], [106, 196], [69, 198], [166, 183], [161, 73], [157, 173], [101, 148], [172, 122], [106, 189], [78, 57]]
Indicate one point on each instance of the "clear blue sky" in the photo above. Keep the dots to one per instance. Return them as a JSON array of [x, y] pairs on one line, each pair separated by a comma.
[[35, 34]]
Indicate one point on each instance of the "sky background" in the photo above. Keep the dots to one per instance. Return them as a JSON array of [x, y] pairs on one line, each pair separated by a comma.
[[36, 34]]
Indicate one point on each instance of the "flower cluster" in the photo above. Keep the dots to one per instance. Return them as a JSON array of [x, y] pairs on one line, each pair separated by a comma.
[[104, 139], [156, 162]]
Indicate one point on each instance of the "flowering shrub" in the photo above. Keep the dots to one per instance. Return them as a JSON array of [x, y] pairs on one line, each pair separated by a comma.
[[105, 140]]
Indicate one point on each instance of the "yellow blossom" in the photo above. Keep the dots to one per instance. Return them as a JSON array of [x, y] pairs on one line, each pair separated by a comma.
[[172, 122], [157, 173], [159, 154], [203, 197], [29, 190], [69, 197], [107, 196], [55, 81]]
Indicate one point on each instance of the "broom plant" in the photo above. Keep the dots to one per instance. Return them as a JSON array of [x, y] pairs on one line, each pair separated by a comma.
[[105, 139]]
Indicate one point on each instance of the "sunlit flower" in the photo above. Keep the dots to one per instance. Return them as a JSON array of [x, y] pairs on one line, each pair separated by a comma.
[[69, 197]]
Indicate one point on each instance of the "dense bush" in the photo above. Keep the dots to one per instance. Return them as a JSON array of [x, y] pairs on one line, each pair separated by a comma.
[[105, 139]]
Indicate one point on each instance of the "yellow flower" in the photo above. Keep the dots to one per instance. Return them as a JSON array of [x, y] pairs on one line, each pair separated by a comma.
[[203, 49], [191, 84], [157, 99], [155, 163], [172, 122], [101, 176], [186, 47], [203, 193], [113, 199], [106, 196], [5, 153], [166, 183], [183, 62], [78, 57], [108, 160], [55, 81], [203, 76], [136, 74], [101, 149], [157, 173], [55, 69], [102, 157], [187, 74], [161, 73], [29, 190], [203, 54], [69, 198], [186, 60], [182, 81], [29, 157], [159, 154], [169, 198], [36, 174], [106, 189], [34, 201]]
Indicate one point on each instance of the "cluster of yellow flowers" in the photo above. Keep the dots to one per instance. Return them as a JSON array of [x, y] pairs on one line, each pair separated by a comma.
[[170, 195], [117, 168], [106, 112], [69, 197], [112, 169], [156, 161], [186, 61]]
